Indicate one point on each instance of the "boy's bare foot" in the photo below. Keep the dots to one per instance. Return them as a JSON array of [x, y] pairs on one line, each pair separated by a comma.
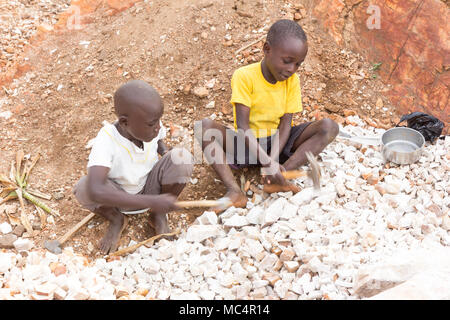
[[111, 239], [272, 188], [238, 200], [159, 222]]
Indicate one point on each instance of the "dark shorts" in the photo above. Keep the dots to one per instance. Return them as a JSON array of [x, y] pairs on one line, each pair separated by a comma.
[[249, 160]]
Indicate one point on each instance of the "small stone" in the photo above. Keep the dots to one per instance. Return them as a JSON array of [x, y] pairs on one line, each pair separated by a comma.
[[211, 105], [297, 16], [435, 209], [10, 208], [271, 277], [58, 195], [198, 233], [23, 244], [445, 223], [268, 262], [379, 103], [142, 292], [341, 190], [121, 291], [236, 221], [372, 180], [7, 241], [201, 92], [78, 294], [287, 255], [5, 228], [380, 189], [19, 230], [371, 239], [46, 289], [392, 188], [58, 268], [426, 228], [302, 197], [207, 218], [59, 294], [274, 211], [291, 266], [255, 215], [7, 261]]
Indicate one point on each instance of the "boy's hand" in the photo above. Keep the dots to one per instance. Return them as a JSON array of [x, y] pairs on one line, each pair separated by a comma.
[[163, 203], [272, 174]]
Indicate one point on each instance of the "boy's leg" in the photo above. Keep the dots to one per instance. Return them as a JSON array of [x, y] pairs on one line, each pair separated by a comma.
[[219, 163], [314, 138], [117, 220], [117, 223], [169, 175]]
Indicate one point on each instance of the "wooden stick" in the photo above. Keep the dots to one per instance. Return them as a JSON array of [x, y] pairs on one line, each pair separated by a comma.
[[137, 245], [76, 227], [39, 194], [198, 203], [293, 174], [250, 44]]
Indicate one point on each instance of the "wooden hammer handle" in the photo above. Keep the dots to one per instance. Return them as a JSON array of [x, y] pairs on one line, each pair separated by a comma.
[[76, 227], [198, 203], [293, 174]]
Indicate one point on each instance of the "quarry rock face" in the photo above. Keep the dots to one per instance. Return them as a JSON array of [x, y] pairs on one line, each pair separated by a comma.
[[409, 38]]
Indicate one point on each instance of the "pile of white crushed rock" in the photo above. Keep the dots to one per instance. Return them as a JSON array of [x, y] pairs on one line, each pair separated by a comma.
[[368, 229]]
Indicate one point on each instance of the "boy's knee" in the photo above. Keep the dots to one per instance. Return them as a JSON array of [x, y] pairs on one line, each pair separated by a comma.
[[82, 194], [329, 128]]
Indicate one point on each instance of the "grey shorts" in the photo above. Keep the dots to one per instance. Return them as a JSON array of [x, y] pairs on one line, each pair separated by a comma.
[[174, 167]]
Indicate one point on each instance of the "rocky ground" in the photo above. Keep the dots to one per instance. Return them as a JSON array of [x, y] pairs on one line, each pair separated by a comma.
[[188, 52], [312, 245]]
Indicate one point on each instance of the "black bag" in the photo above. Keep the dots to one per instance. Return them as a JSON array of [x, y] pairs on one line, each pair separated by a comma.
[[430, 127]]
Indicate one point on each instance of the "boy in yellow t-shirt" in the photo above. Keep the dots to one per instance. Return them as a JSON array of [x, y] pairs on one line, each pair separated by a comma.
[[265, 95]]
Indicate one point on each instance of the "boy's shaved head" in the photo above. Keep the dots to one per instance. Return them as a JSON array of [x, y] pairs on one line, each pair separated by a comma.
[[139, 108], [136, 95], [283, 29]]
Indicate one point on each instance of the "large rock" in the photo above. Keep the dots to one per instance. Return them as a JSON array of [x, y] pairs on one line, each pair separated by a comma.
[[198, 233], [409, 37], [427, 285], [273, 212], [400, 267]]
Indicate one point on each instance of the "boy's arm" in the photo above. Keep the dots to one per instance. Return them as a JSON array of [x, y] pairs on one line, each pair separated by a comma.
[[162, 148], [108, 196], [282, 136]]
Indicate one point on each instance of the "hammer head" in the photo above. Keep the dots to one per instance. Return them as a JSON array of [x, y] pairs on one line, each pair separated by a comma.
[[53, 246], [314, 174]]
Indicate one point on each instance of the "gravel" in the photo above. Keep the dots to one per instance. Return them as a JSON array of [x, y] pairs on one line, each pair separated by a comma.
[[312, 245]]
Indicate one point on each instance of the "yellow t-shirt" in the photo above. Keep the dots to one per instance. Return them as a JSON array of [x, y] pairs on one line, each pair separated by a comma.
[[267, 102]]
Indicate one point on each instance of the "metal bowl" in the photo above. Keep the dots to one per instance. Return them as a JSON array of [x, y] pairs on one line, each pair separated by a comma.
[[402, 145]]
